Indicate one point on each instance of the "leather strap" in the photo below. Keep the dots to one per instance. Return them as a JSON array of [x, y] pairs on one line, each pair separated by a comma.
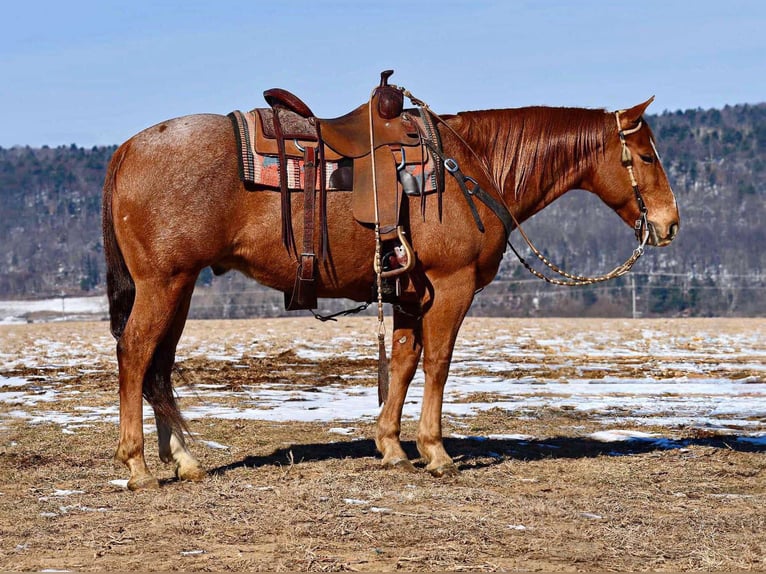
[[303, 295], [309, 185], [324, 232], [287, 228], [500, 211]]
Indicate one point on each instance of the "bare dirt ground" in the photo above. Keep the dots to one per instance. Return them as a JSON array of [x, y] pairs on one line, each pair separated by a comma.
[[311, 496]]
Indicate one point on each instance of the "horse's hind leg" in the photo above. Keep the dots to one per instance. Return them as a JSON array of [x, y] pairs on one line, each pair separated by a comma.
[[170, 433], [153, 311], [173, 449], [405, 356]]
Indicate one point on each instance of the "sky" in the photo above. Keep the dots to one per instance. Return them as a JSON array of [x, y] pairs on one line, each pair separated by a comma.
[[96, 72]]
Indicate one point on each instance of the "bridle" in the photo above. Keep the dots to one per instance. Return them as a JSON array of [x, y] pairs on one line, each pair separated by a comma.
[[641, 226], [509, 221]]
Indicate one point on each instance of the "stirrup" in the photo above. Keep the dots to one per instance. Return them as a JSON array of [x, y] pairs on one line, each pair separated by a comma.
[[409, 253]]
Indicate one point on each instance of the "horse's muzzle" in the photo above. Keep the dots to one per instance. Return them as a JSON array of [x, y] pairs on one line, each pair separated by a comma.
[[660, 235]]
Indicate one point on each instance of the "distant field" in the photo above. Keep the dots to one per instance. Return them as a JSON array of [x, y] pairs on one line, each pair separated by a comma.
[[583, 444]]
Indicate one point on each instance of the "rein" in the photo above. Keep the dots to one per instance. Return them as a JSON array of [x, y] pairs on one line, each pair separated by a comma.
[[509, 221]]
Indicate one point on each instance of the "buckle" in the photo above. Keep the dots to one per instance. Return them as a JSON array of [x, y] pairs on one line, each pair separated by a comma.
[[474, 182], [641, 227], [451, 165]]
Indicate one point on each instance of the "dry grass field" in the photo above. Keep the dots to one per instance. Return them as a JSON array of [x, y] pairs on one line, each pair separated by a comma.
[[610, 445]]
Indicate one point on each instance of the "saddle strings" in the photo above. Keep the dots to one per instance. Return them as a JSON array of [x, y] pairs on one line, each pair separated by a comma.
[[383, 380], [572, 280]]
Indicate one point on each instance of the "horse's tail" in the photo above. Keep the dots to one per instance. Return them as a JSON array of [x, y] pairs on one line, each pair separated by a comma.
[[120, 287]]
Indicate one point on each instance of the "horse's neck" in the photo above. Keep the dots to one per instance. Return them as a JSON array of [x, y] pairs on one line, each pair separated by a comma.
[[535, 155], [539, 191]]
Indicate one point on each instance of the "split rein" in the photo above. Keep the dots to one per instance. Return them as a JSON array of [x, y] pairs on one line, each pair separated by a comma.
[[509, 221]]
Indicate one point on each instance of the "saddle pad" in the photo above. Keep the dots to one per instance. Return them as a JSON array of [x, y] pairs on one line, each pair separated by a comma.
[[262, 170]]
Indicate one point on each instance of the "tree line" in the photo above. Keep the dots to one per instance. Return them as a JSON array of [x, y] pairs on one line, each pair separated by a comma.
[[715, 160]]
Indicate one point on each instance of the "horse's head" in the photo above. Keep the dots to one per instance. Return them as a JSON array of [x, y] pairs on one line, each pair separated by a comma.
[[631, 179]]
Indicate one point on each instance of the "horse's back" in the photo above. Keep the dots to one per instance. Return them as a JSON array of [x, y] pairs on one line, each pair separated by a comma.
[[200, 133], [183, 151]]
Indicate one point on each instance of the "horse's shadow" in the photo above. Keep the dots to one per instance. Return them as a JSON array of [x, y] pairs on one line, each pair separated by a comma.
[[480, 452]]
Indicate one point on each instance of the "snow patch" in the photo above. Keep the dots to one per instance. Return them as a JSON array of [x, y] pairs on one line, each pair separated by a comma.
[[621, 435], [214, 445]]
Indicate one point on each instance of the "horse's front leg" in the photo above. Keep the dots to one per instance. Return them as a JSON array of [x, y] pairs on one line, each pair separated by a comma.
[[441, 324], [405, 356]]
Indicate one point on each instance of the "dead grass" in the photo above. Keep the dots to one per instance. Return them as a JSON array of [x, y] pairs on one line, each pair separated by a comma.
[[286, 496], [295, 496]]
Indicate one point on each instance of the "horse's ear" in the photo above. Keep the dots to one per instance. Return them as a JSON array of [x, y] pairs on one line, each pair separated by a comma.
[[632, 115]]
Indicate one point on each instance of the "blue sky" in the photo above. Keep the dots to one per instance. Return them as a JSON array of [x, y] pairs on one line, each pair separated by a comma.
[[96, 72]]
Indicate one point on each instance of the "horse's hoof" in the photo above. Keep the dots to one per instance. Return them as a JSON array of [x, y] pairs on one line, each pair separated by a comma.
[[192, 474], [147, 482], [449, 469], [400, 464]]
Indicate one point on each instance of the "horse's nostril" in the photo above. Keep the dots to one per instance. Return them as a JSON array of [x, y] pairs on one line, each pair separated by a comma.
[[673, 231]]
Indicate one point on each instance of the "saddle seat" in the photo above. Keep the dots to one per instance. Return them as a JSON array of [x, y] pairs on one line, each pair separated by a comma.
[[349, 135]]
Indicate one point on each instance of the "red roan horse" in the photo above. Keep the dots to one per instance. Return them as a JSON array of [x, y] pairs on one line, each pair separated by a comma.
[[173, 204]]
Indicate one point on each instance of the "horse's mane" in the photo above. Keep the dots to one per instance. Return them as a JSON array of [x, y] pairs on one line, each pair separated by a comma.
[[534, 145]]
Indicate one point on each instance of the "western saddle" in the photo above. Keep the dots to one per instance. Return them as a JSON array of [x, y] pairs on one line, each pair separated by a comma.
[[368, 146]]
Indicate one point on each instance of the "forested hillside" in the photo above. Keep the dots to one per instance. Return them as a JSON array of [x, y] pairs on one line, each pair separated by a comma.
[[716, 161], [50, 228]]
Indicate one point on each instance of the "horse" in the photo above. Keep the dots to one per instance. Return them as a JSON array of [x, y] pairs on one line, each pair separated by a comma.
[[173, 205]]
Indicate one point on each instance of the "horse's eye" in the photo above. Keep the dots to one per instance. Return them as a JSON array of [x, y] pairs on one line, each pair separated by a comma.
[[646, 158]]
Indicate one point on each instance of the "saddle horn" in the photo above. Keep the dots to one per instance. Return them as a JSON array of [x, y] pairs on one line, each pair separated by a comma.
[[390, 97]]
